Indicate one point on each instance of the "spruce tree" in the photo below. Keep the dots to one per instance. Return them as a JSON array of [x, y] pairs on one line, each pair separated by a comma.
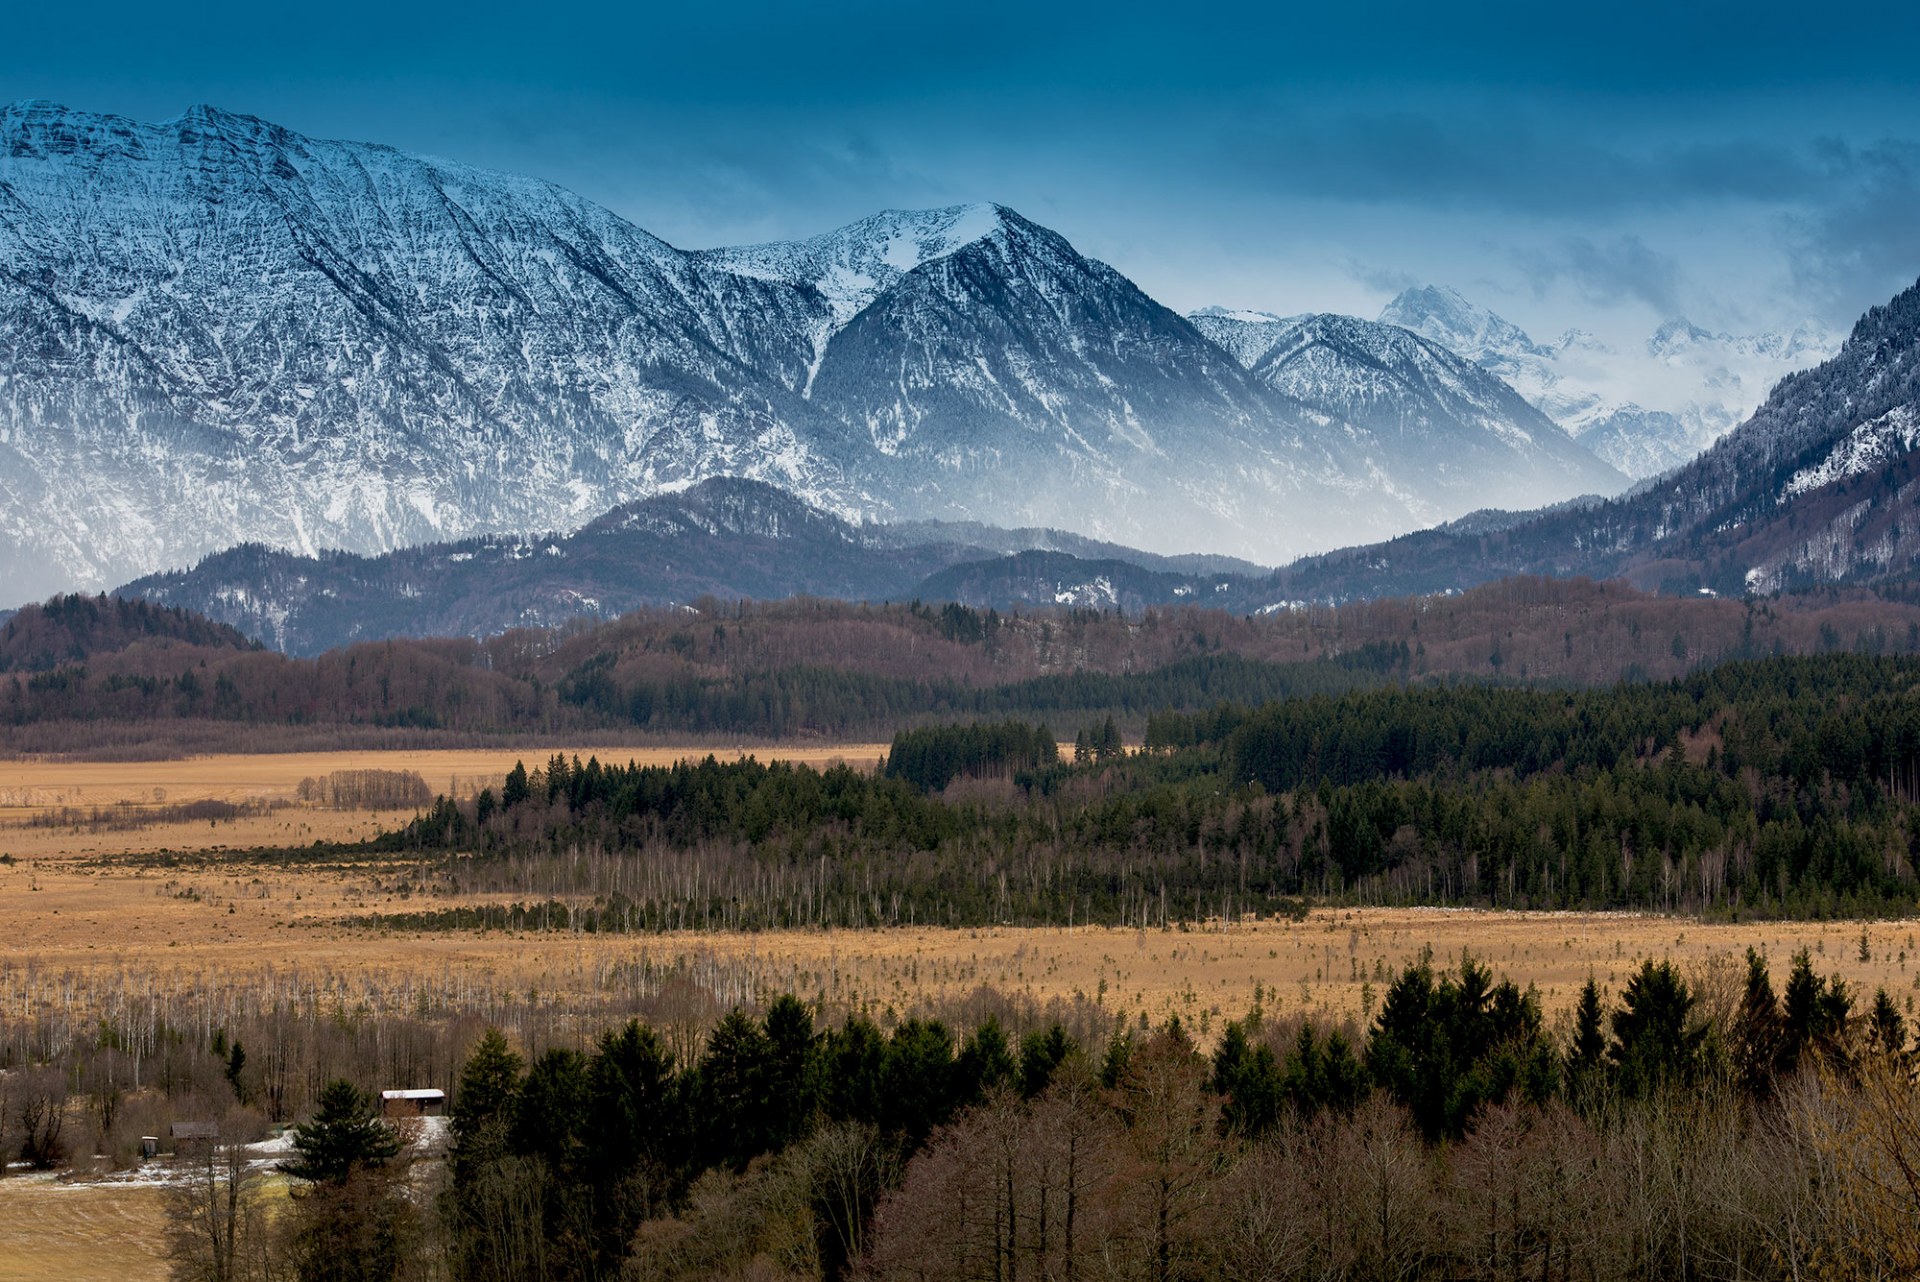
[[344, 1136], [1586, 1057], [484, 1105]]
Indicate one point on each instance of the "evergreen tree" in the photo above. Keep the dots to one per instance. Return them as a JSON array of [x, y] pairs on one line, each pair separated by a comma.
[[736, 1105], [552, 1113], [854, 1059], [343, 1136], [1587, 1055], [1041, 1055], [1816, 1014], [1888, 1034], [985, 1063], [236, 1064], [916, 1081], [793, 1070], [1656, 1037], [484, 1105], [516, 789], [1757, 1034]]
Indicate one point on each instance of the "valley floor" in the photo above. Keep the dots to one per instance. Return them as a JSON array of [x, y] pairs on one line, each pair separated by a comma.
[[94, 916]]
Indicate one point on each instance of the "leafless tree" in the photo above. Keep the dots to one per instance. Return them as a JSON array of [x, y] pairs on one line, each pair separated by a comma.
[[218, 1223]]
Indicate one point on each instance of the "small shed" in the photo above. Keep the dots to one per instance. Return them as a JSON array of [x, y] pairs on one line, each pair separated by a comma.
[[424, 1102], [194, 1137]]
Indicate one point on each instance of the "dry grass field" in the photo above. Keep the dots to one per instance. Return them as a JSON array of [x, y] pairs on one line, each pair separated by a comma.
[[218, 924], [81, 1233], [68, 907], [33, 788], [84, 912]]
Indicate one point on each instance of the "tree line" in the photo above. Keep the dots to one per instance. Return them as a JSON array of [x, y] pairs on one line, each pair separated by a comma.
[[95, 674], [1783, 786], [1455, 1136]]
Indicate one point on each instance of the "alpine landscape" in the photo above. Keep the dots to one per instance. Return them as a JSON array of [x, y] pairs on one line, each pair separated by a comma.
[[1054, 644]]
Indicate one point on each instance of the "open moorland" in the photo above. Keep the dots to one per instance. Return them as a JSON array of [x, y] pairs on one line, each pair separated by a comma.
[[94, 916], [185, 906]]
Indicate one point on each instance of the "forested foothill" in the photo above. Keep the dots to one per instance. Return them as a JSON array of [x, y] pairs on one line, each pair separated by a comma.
[[105, 677], [1762, 787]]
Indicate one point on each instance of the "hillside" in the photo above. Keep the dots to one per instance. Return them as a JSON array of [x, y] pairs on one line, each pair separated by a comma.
[[821, 668], [74, 629], [726, 539], [1816, 487], [217, 332]]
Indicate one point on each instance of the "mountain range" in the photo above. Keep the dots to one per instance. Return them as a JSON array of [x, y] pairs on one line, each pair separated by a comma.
[[1820, 486], [216, 332], [726, 538], [1471, 434], [1693, 385]]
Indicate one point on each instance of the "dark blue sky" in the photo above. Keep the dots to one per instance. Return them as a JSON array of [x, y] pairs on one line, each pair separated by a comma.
[[1602, 166]]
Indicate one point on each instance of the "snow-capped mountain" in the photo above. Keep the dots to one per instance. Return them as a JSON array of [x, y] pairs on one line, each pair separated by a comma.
[[1820, 485], [1644, 410], [1418, 403], [215, 331]]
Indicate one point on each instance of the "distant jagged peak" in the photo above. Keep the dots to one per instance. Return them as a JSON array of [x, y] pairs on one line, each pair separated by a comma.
[[1242, 316], [854, 264], [1444, 315], [1679, 337]]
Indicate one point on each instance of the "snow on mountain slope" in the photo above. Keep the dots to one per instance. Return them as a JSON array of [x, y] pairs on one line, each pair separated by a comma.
[[850, 267], [853, 265], [1244, 335], [1820, 485], [1645, 411], [1017, 382], [214, 331], [1469, 436]]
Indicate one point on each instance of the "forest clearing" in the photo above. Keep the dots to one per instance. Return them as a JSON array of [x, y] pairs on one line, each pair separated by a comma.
[[81, 1232], [37, 792]]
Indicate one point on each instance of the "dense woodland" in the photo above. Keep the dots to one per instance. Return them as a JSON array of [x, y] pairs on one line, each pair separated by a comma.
[[1681, 1128], [1783, 786], [1760, 759], [107, 677]]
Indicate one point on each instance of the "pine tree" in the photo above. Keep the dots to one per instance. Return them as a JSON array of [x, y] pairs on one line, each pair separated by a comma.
[[1586, 1057], [1757, 1029], [344, 1136]]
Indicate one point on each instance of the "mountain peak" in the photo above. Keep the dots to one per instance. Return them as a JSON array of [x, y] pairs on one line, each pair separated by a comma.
[[1444, 315], [854, 264]]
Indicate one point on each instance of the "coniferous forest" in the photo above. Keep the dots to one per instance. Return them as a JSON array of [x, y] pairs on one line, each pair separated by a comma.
[[1676, 1126], [1765, 787], [1657, 1134]]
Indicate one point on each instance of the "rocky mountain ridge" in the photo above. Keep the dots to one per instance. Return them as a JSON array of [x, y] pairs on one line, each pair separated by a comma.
[[215, 331], [1645, 411]]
